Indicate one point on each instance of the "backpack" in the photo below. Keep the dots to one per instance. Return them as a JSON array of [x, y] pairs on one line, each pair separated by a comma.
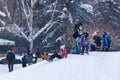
[[85, 42]]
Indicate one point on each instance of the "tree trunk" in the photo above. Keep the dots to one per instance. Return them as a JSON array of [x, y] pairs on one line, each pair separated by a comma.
[[31, 45]]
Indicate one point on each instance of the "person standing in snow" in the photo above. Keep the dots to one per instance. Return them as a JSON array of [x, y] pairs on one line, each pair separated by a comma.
[[108, 39], [62, 54], [77, 35], [77, 29], [84, 41], [10, 59], [104, 42]]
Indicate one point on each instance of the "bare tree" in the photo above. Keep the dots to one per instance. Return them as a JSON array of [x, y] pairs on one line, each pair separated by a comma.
[[25, 26]]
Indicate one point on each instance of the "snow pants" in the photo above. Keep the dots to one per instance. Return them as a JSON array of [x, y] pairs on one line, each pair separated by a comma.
[[10, 66]]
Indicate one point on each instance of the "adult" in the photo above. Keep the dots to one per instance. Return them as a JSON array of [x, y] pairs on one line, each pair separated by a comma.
[[108, 39], [77, 28], [10, 59], [77, 35], [104, 42]]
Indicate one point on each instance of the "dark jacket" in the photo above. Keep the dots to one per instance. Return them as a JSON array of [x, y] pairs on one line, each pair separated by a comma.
[[97, 40], [24, 61], [37, 54], [29, 58], [10, 57], [77, 31]]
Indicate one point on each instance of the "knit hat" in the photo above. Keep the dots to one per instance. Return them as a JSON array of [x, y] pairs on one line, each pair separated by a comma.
[[62, 46]]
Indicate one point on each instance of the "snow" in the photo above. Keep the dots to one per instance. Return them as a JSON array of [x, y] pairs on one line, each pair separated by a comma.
[[88, 7], [59, 38], [71, 1], [64, 9], [62, 16], [3, 22], [2, 14], [118, 7], [2, 28], [33, 3], [4, 69], [6, 42], [96, 66]]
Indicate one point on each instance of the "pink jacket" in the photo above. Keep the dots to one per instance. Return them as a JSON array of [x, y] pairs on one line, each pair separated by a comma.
[[63, 53]]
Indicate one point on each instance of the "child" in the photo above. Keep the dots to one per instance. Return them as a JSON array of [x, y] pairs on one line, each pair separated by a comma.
[[85, 46], [24, 61], [62, 54]]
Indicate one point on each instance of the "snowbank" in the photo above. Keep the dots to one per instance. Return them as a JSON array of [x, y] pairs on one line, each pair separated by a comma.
[[96, 66]]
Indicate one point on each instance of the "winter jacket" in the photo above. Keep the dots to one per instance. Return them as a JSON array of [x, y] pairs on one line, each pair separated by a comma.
[[10, 57], [37, 54], [63, 53], [77, 31], [29, 59], [97, 40], [104, 41], [24, 61]]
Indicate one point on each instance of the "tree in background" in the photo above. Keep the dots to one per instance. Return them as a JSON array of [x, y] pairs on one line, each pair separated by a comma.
[[26, 17]]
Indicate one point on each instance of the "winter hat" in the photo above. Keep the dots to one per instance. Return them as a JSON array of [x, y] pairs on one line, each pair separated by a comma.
[[62, 47]]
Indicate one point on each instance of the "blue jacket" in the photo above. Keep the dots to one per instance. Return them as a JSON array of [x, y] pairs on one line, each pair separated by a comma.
[[105, 41]]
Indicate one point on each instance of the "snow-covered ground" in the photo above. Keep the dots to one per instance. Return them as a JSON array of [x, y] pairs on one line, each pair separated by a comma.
[[96, 66]]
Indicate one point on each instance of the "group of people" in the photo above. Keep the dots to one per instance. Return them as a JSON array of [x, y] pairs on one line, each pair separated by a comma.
[[101, 42], [81, 41], [26, 59]]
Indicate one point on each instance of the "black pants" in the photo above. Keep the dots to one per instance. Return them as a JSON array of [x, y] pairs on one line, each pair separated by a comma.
[[10, 66], [55, 56], [85, 48]]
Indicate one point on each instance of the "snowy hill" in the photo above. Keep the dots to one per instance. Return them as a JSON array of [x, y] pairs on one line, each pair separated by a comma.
[[96, 66], [50, 19]]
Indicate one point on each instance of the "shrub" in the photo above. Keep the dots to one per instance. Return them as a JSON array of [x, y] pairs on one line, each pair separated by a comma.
[[4, 61]]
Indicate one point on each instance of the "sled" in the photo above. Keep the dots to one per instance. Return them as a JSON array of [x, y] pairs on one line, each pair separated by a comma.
[[44, 56]]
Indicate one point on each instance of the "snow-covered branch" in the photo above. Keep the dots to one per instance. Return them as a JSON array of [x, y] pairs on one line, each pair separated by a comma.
[[33, 2], [42, 29]]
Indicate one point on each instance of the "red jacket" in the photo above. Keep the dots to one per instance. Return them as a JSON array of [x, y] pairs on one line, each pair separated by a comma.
[[63, 53]]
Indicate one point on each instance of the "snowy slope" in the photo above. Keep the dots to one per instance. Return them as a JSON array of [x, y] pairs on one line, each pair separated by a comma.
[[96, 66]]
